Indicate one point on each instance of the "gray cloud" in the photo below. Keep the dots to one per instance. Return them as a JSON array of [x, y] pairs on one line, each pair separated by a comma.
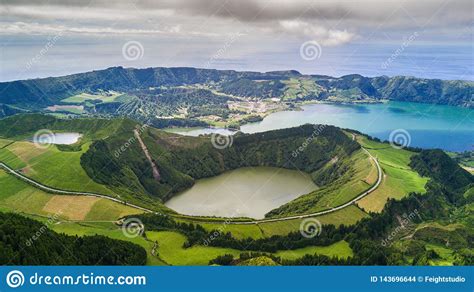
[[330, 22], [38, 29], [327, 37], [459, 11]]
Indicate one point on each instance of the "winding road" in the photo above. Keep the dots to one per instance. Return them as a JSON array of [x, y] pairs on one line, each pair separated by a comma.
[[64, 192], [334, 209]]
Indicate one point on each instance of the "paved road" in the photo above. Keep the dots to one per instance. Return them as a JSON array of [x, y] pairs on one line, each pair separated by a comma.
[[63, 192], [58, 191]]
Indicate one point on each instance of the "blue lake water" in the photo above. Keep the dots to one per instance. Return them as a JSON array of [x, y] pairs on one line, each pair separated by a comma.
[[428, 125]]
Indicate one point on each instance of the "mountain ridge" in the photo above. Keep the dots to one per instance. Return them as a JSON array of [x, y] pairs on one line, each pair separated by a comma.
[[186, 75], [187, 96]]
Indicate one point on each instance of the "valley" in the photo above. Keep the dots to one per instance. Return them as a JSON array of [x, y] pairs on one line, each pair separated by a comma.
[[238, 168], [367, 177]]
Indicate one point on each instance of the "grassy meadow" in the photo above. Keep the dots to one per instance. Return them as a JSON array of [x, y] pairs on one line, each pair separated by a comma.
[[44, 165], [398, 180], [170, 249], [110, 230], [20, 197], [83, 97], [360, 176]]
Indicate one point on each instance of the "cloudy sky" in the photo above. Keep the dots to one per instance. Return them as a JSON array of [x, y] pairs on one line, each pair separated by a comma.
[[425, 38]]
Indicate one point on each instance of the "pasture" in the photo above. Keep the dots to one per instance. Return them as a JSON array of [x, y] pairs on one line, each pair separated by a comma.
[[398, 180]]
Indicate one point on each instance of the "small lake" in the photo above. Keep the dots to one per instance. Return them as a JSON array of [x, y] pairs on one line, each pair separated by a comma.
[[248, 191], [429, 125], [57, 138]]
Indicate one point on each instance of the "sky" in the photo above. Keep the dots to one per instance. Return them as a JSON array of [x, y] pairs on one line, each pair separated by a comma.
[[422, 38]]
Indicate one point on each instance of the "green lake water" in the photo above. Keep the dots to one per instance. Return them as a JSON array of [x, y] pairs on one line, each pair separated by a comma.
[[248, 191]]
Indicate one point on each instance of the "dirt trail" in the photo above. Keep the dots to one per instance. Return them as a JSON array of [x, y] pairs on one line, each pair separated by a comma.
[[156, 173]]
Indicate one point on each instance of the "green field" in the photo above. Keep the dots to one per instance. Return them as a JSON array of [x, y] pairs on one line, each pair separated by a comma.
[[170, 249], [339, 249], [360, 176], [9, 158], [346, 216], [106, 229], [299, 88], [399, 179], [104, 97], [15, 193], [44, 165], [238, 231], [4, 142], [74, 109], [445, 239], [445, 254]]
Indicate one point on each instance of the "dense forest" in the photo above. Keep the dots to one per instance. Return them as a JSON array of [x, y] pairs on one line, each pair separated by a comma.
[[24, 241]]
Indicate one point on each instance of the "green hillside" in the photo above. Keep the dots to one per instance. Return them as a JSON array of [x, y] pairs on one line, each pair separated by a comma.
[[109, 160], [196, 97], [181, 160], [420, 214]]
